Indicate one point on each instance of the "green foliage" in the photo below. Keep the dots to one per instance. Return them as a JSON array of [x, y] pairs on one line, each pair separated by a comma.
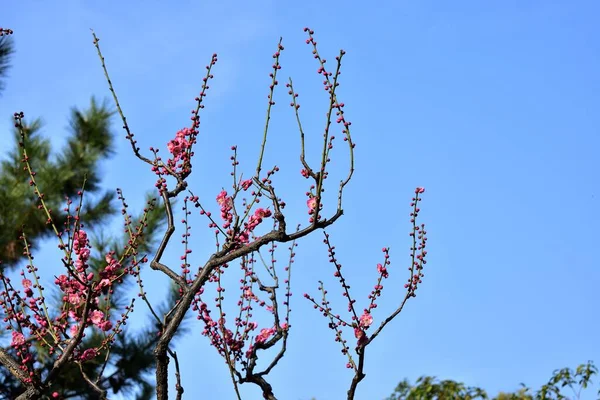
[[127, 368], [90, 141], [6, 51], [130, 361], [428, 387]]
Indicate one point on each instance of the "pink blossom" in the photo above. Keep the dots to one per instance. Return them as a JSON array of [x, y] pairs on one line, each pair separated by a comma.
[[366, 320], [180, 144], [61, 280], [97, 317], [246, 184], [81, 235], [105, 326], [88, 354], [74, 329], [312, 204], [74, 299], [27, 285], [264, 334], [104, 283], [420, 190], [382, 270], [17, 339], [222, 198]]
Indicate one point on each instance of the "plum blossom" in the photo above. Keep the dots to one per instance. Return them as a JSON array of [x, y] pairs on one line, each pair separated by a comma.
[[97, 317], [246, 184], [312, 204], [264, 334], [73, 330], [17, 339], [105, 325], [382, 270], [88, 354], [180, 144], [27, 285], [366, 319]]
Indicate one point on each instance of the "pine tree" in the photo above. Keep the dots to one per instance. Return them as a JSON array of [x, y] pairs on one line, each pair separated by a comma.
[[89, 142], [6, 51], [62, 176]]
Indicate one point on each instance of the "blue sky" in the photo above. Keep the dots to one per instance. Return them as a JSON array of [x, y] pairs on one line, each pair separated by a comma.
[[492, 106]]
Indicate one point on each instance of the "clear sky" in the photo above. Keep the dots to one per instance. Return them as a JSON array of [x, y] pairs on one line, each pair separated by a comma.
[[492, 106]]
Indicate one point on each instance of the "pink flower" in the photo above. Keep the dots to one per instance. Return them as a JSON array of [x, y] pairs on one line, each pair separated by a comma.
[[74, 329], [382, 270], [17, 339], [246, 184], [366, 320], [81, 235], [264, 334], [222, 198], [180, 144], [97, 317], [312, 204], [105, 326], [420, 190], [88, 354], [74, 299], [27, 285], [104, 283]]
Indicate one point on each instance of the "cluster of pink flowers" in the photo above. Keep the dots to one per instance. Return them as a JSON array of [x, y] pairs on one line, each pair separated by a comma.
[[246, 184], [81, 249], [382, 270], [265, 334], [179, 162], [97, 319], [360, 324], [226, 207], [179, 146], [228, 341], [18, 339], [78, 289], [365, 320], [226, 204], [253, 222]]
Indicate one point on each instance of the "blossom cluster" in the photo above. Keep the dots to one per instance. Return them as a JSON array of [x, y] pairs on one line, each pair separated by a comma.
[[361, 323]]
